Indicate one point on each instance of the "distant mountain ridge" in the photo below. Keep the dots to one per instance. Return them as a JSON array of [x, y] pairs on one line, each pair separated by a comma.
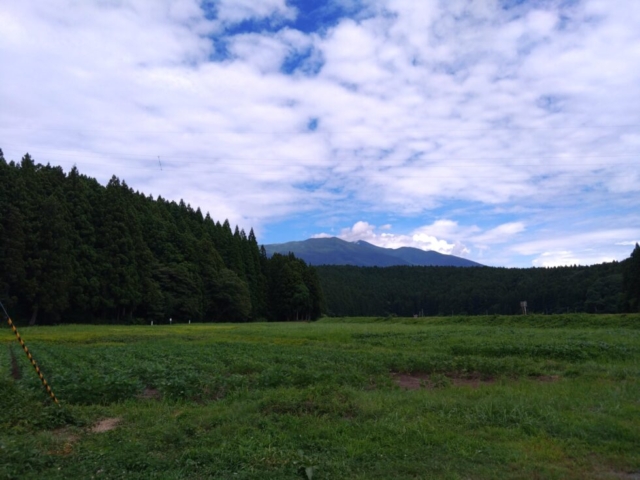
[[334, 251]]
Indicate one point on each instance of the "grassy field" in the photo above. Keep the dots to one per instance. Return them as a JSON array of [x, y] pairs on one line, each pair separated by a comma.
[[457, 397]]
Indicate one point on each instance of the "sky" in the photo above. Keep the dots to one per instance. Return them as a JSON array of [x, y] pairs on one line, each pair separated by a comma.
[[503, 131]]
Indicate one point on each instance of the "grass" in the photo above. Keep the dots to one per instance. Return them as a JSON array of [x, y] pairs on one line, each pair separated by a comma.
[[500, 397]]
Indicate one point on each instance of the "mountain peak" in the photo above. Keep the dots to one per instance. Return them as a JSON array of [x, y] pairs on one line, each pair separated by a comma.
[[335, 251]]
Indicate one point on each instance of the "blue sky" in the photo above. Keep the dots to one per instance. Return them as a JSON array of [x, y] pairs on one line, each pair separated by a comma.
[[507, 132]]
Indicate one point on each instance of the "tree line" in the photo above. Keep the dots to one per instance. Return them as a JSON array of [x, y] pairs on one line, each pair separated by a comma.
[[72, 250], [438, 291]]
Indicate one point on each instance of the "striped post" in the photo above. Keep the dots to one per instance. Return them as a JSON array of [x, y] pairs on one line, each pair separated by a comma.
[[32, 360]]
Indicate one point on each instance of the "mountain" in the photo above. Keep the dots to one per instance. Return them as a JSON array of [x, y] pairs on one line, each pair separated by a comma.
[[333, 251]]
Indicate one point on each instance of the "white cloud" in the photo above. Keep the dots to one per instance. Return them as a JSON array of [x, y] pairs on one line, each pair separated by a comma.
[[562, 258], [446, 229], [235, 11], [499, 245], [418, 107], [590, 239], [444, 236], [419, 238], [500, 234]]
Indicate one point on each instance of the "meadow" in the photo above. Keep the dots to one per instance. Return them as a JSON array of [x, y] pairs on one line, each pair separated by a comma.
[[358, 398]]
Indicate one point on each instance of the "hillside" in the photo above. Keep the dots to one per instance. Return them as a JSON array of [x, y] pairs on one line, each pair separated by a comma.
[[72, 250], [334, 251]]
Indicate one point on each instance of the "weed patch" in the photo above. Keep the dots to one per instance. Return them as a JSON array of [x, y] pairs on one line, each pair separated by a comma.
[[492, 398], [315, 402]]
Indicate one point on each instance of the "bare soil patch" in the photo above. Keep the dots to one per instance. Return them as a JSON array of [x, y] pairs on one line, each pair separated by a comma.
[[66, 439], [416, 380], [624, 475], [66, 449], [410, 381], [65, 435], [105, 425], [475, 380]]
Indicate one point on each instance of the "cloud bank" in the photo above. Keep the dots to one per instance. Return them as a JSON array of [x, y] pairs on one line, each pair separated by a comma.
[[502, 131]]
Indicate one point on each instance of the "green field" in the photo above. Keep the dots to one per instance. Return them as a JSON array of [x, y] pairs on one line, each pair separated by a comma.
[[458, 397]]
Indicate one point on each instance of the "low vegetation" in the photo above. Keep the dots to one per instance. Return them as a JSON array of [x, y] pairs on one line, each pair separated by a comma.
[[482, 397]]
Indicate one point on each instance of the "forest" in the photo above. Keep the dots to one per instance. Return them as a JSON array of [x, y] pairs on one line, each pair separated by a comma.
[[74, 251], [438, 291]]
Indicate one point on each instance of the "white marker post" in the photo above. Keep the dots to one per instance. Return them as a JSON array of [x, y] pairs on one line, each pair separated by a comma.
[[170, 320], [523, 306]]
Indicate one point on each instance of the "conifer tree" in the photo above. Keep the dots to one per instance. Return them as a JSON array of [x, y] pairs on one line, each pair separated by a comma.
[[84, 290], [12, 255], [71, 249], [631, 280]]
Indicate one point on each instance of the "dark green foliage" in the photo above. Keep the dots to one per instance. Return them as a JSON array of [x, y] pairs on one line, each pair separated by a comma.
[[431, 291], [72, 250], [294, 289], [49, 268], [232, 298], [631, 281], [449, 397]]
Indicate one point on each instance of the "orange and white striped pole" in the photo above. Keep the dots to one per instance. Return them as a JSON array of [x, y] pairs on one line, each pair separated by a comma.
[[31, 359]]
